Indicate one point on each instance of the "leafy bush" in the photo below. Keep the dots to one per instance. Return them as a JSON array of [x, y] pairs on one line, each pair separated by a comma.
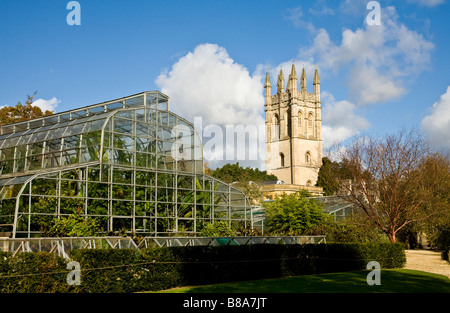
[[296, 214], [354, 228], [75, 225], [217, 229], [29, 272]]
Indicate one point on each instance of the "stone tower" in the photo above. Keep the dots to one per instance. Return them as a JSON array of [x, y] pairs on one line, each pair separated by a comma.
[[293, 130]]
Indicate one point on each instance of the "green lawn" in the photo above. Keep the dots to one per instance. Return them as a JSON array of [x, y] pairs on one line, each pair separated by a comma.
[[392, 281]]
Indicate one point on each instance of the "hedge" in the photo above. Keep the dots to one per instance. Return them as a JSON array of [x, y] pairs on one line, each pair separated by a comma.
[[124, 270]]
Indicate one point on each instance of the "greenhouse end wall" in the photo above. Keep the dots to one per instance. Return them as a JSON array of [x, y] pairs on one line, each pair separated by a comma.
[[129, 163]]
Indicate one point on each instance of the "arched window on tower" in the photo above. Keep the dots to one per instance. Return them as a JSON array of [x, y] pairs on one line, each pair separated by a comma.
[[300, 123], [308, 157], [281, 159], [288, 123], [276, 126], [310, 124]]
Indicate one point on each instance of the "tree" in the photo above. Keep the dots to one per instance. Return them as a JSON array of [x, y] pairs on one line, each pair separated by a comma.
[[20, 112], [234, 173], [246, 180], [393, 179], [326, 178], [296, 214]]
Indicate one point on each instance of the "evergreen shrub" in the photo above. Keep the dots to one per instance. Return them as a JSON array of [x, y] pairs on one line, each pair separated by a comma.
[[127, 270]]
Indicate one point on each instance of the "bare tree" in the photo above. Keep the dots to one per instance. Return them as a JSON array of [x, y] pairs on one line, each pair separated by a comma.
[[393, 179]]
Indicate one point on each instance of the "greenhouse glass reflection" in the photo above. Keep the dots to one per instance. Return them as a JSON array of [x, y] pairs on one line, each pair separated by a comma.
[[129, 163]]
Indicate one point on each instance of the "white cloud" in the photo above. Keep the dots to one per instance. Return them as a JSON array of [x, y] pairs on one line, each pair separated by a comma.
[[297, 18], [208, 83], [379, 58], [437, 124], [45, 105], [428, 3], [339, 120]]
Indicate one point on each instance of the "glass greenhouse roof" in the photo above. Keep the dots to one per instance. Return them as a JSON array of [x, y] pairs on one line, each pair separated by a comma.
[[71, 137], [129, 163]]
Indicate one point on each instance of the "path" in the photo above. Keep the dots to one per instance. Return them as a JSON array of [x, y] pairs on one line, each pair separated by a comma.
[[427, 261]]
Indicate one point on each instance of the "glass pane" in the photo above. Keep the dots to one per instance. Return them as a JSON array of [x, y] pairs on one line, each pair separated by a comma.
[[123, 176], [165, 133], [141, 129], [140, 115], [70, 157], [53, 145], [124, 192], [10, 142], [123, 126], [24, 139], [90, 139], [145, 178], [144, 144], [34, 162], [55, 133], [71, 142], [163, 118], [151, 100], [144, 160], [21, 151], [136, 101], [129, 114], [97, 110], [90, 154], [52, 160], [115, 105], [124, 157], [124, 142], [163, 105], [122, 208], [151, 116], [94, 125], [37, 148], [74, 129], [19, 165]]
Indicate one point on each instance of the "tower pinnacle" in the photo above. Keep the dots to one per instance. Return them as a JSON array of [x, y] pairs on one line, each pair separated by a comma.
[[317, 85], [268, 89], [292, 82], [303, 81], [280, 83]]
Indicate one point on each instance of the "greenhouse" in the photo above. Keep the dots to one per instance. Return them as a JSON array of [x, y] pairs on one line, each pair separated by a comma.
[[129, 163]]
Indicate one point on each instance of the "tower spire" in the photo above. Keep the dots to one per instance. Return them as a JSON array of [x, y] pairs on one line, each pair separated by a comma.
[[268, 89], [292, 83], [317, 85], [280, 82], [303, 81]]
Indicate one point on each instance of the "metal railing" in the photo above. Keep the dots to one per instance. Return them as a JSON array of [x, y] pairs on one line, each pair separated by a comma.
[[149, 242], [61, 245]]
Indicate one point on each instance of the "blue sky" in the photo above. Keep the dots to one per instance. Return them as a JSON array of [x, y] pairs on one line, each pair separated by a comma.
[[211, 56]]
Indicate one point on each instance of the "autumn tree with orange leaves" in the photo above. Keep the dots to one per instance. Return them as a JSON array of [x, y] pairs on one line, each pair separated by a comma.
[[21, 112]]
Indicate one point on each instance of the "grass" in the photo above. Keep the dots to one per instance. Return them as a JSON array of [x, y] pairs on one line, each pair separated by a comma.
[[392, 281]]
